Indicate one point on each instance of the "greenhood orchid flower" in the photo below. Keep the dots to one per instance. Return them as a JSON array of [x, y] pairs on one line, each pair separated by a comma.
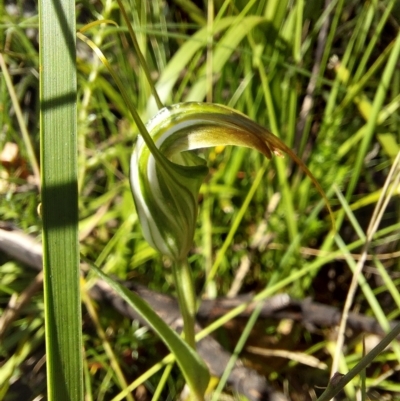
[[166, 181]]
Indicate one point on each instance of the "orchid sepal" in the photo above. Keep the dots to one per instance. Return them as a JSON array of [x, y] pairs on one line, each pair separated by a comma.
[[166, 185]]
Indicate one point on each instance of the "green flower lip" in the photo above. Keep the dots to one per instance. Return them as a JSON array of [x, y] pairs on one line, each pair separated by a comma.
[[166, 184]]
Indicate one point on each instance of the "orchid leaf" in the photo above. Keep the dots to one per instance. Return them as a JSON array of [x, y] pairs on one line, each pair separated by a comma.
[[193, 368]]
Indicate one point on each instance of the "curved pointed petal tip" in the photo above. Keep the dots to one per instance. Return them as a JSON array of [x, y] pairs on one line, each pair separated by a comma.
[[166, 185]]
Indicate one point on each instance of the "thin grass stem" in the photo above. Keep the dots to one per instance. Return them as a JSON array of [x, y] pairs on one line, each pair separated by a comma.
[[140, 55]]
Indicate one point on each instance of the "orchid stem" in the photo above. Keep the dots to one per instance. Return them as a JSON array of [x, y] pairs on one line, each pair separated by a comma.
[[186, 298]]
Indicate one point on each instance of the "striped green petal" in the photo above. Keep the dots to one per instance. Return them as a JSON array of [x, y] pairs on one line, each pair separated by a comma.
[[165, 186]]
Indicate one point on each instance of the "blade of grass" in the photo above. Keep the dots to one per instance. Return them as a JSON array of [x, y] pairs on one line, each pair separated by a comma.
[[334, 388], [140, 55], [357, 275], [60, 200], [236, 222], [222, 51], [363, 376], [209, 69], [182, 58], [162, 382], [89, 87], [382, 88], [238, 349], [169, 359], [369, 294], [105, 343], [280, 164], [192, 10], [21, 121], [372, 41]]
